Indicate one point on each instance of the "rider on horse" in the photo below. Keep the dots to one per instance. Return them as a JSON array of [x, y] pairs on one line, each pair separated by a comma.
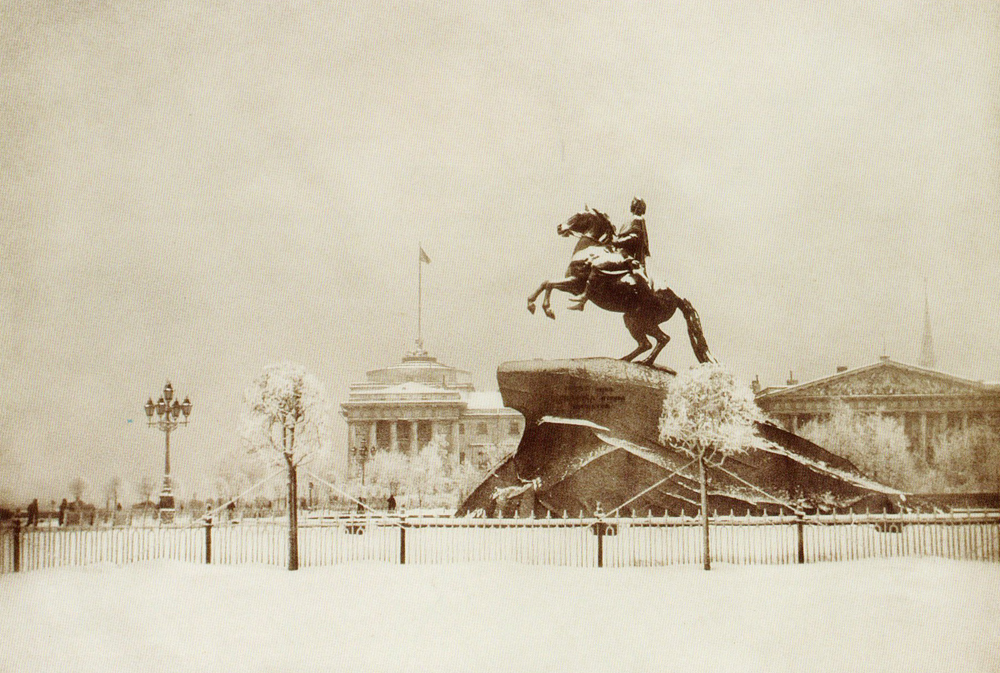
[[633, 240], [608, 268], [633, 243]]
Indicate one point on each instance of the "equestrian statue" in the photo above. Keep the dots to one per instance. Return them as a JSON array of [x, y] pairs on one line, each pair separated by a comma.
[[608, 268]]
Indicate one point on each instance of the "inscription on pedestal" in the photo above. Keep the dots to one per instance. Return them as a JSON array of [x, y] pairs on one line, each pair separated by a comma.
[[586, 399]]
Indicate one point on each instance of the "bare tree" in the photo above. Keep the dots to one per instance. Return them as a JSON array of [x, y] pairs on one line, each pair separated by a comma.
[[78, 487], [145, 488], [111, 490], [708, 414], [286, 421]]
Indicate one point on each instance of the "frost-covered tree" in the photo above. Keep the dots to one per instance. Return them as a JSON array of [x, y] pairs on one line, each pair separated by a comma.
[[429, 471], [429, 477], [236, 471], [706, 414], [875, 444], [286, 421], [967, 460], [389, 472]]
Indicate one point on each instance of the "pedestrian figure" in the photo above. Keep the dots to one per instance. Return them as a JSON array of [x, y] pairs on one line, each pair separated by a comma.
[[391, 503], [33, 513], [62, 511]]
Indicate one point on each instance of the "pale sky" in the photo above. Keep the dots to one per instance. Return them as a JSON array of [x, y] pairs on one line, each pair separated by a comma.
[[193, 191]]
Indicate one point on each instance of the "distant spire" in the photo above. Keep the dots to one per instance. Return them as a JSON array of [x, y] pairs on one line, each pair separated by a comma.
[[927, 359]]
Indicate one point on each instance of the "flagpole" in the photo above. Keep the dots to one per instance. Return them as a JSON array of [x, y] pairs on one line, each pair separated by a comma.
[[420, 297]]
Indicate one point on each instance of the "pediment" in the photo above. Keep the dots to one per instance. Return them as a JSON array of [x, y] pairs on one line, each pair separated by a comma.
[[886, 379]]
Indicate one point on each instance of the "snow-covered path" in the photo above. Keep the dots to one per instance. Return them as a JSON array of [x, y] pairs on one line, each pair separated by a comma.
[[876, 615]]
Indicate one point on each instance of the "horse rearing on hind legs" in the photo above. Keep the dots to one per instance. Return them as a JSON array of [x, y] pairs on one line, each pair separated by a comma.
[[604, 276]]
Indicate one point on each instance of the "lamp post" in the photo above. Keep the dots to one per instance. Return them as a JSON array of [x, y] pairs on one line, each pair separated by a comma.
[[361, 456], [169, 415]]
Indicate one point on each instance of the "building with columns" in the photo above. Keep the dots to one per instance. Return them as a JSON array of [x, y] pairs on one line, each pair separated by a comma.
[[405, 406], [927, 402]]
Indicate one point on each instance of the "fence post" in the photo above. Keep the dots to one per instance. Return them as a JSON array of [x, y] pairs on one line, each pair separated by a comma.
[[17, 544], [208, 539], [600, 544], [801, 540], [402, 542]]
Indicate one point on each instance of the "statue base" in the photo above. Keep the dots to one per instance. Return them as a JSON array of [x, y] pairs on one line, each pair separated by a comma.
[[591, 445]]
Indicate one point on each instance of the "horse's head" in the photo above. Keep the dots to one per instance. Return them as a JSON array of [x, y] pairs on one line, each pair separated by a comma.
[[591, 224]]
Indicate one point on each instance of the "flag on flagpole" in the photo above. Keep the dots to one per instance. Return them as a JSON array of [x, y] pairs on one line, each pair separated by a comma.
[[423, 256]]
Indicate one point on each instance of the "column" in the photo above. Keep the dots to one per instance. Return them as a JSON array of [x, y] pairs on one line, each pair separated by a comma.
[[795, 423], [352, 441], [414, 444], [453, 442], [393, 435], [444, 427], [965, 430], [373, 436], [923, 433]]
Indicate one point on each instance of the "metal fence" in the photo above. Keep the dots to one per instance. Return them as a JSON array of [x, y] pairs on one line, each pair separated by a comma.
[[612, 542]]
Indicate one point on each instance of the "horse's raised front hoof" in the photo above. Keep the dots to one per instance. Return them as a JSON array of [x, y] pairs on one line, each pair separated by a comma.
[[531, 307]]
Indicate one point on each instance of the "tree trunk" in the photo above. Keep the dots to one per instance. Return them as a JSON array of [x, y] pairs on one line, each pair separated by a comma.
[[704, 509], [293, 518]]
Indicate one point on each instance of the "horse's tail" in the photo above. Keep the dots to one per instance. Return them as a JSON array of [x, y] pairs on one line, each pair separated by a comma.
[[698, 342]]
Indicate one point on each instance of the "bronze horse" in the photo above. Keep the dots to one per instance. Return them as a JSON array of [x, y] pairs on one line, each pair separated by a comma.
[[604, 276]]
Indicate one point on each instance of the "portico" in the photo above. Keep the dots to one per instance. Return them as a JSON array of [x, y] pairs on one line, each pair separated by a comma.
[[404, 407]]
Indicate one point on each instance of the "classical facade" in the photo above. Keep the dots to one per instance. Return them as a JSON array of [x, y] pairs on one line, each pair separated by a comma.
[[927, 402], [405, 406]]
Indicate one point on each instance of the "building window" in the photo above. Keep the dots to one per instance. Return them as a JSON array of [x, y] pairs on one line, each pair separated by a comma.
[[483, 429], [515, 427], [461, 428], [461, 458]]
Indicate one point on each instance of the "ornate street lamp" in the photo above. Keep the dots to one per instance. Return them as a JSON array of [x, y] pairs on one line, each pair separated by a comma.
[[169, 414]]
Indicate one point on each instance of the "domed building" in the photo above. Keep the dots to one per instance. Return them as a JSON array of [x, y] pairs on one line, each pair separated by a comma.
[[405, 406]]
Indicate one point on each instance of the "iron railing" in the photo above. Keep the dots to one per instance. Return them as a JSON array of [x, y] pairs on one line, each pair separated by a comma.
[[581, 541]]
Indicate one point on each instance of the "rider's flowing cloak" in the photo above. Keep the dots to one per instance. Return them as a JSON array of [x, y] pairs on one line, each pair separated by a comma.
[[591, 444]]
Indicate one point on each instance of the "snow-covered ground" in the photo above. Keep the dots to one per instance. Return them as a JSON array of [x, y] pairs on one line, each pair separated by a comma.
[[873, 615]]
